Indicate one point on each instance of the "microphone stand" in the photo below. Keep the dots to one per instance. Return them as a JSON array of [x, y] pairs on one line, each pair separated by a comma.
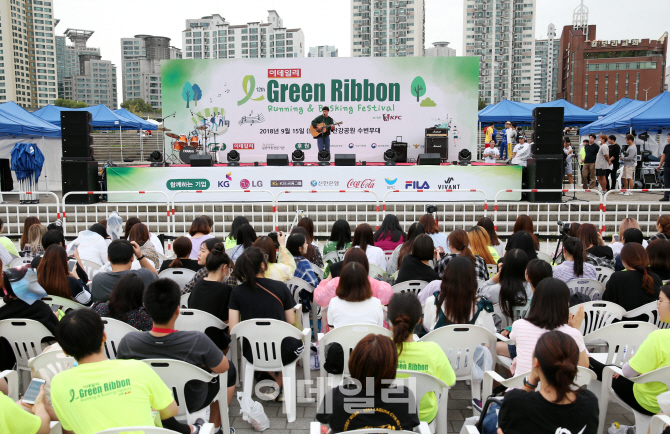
[[164, 157]]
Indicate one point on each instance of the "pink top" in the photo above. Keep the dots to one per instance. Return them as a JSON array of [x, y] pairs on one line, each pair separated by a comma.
[[526, 335], [386, 243]]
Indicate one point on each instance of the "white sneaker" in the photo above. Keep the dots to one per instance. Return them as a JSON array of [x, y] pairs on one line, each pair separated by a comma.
[[629, 193], [622, 192], [616, 428]]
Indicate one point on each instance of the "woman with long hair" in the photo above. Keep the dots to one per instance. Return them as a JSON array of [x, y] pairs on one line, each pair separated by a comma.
[[246, 236], [404, 313], [283, 270], [549, 310], [416, 266], [33, 246], [431, 228], [525, 223], [489, 227], [389, 235], [509, 286], [574, 267], [314, 254], [536, 271], [374, 357], [480, 244], [662, 226], [627, 223], [54, 275], [132, 221], [452, 300], [597, 253], [182, 250], [560, 405], [297, 245], [524, 241], [125, 303], [27, 223], [340, 237], [364, 238], [395, 261], [459, 246], [231, 239], [353, 302], [199, 232], [659, 258], [203, 253], [140, 234], [637, 285]]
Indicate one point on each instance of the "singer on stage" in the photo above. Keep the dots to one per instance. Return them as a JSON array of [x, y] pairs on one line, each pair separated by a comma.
[[323, 139]]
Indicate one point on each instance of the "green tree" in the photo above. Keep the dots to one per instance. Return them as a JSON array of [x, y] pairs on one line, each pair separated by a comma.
[[187, 93], [68, 103], [482, 104], [418, 87], [197, 93], [137, 106]]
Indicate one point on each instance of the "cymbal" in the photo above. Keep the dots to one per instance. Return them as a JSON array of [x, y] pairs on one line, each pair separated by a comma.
[[201, 127], [172, 135]]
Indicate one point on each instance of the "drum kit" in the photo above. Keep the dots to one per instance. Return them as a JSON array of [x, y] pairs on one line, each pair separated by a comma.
[[185, 145]]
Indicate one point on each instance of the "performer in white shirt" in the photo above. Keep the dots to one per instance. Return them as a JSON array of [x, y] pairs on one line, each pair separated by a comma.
[[521, 152]]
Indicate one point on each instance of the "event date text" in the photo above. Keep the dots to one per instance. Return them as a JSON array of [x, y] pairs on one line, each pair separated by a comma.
[[351, 130]]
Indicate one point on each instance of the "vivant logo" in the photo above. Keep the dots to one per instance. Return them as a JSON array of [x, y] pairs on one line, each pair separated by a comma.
[[388, 117], [417, 185], [449, 184], [226, 183], [366, 183], [240, 146]]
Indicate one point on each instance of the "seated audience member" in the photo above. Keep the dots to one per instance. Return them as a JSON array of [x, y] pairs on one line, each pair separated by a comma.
[[54, 236], [574, 267], [631, 235], [636, 286], [231, 239], [548, 311], [33, 246], [161, 300], [375, 356], [354, 303], [199, 232], [7, 243], [132, 221], [654, 353], [663, 228], [203, 253], [15, 419], [246, 236], [137, 388], [525, 223], [91, 246], [298, 246], [536, 271], [404, 313], [125, 303], [182, 249], [395, 261], [283, 270], [364, 239], [459, 246], [522, 240], [415, 265], [121, 254], [452, 300], [489, 227], [327, 288], [597, 253], [340, 237], [480, 244], [56, 278], [626, 223], [140, 234], [509, 286], [389, 235], [659, 258], [559, 405], [27, 223], [313, 253], [430, 228]]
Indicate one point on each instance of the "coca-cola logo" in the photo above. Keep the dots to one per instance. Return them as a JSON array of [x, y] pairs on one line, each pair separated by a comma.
[[366, 183]]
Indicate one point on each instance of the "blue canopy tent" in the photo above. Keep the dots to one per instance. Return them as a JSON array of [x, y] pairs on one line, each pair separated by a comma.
[[598, 108], [653, 114], [608, 123], [615, 107], [572, 115], [14, 120], [145, 126], [505, 110]]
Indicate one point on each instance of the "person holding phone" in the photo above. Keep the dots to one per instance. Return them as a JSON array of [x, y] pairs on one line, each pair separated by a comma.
[[59, 278], [37, 418]]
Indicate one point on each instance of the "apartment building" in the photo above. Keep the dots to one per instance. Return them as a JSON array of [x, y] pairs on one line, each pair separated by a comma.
[[323, 51], [440, 49], [546, 67]]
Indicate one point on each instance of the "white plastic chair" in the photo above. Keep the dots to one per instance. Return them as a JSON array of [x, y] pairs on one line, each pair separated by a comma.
[[265, 337], [651, 310], [377, 271], [295, 285], [545, 257], [623, 339], [658, 423], [334, 256], [642, 421], [61, 302], [413, 286], [12, 378], [604, 274], [518, 311], [197, 320], [589, 287], [141, 429], [598, 314], [90, 265], [176, 373], [20, 261], [48, 364], [317, 270], [25, 337], [180, 275], [426, 383], [315, 428], [115, 331], [459, 342], [492, 269], [184, 300]]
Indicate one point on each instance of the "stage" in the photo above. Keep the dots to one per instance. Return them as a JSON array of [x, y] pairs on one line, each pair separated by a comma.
[[250, 183]]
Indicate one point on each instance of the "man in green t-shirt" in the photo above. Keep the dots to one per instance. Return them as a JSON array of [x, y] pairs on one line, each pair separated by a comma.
[[99, 394], [14, 419], [323, 140]]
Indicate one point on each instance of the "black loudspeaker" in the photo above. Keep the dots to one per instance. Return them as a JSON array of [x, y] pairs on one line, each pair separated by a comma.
[[76, 129], [80, 176], [437, 141], [277, 160], [400, 149], [345, 159], [77, 147], [6, 181], [547, 130], [201, 160], [76, 117], [545, 172], [428, 160]]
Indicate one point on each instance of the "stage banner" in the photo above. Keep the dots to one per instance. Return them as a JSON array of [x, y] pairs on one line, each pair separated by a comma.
[[265, 106], [230, 181]]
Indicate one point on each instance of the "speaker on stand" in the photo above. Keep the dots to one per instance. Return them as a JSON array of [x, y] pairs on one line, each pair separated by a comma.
[[79, 169], [545, 170]]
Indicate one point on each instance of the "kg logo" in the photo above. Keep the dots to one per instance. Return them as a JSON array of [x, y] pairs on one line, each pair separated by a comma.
[[249, 86]]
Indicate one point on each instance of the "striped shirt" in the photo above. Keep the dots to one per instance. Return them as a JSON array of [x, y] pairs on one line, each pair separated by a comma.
[[565, 271]]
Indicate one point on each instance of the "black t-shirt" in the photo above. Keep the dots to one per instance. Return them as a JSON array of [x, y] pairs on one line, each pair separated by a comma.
[[528, 412], [590, 153], [666, 152], [211, 297], [357, 410], [601, 251], [257, 303], [413, 269], [615, 151], [625, 289], [662, 273], [189, 264]]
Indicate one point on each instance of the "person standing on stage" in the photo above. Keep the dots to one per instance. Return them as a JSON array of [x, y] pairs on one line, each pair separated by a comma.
[[521, 152], [569, 152], [323, 140], [589, 171], [666, 169], [602, 162], [615, 153], [629, 163], [508, 141]]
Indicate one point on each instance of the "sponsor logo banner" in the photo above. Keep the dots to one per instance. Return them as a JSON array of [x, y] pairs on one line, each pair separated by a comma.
[[286, 183], [240, 146]]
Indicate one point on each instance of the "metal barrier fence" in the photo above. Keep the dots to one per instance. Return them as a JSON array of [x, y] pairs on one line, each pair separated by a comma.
[[10, 212], [645, 212]]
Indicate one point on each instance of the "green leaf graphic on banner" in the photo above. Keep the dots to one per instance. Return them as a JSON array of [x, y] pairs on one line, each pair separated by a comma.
[[249, 85], [187, 184]]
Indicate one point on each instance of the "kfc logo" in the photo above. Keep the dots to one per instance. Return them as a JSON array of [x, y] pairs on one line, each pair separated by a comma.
[[391, 118]]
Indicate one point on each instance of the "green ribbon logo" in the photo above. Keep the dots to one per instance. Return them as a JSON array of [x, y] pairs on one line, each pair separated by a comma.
[[249, 85]]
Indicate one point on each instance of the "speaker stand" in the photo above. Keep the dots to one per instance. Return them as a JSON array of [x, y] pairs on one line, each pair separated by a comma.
[[573, 198]]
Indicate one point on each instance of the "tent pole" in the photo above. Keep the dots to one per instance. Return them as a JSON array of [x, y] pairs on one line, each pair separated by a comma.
[[121, 139], [141, 146]]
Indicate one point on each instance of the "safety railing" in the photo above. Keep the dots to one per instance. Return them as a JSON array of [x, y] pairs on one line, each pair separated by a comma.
[[46, 212], [645, 212]]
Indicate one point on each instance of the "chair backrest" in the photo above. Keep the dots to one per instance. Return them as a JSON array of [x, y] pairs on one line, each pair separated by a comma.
[[296, 284], [180, 275], [20, 261], [197, 320], [422, 383], [334, 256], [137, 429], [589, 287], [348, 336], [459, 342], [25, 337], [598, 314], [318, 271], [413, 286], [518, 311], [12, 378], [545, 257], [63, 303], [658, 423], [651, 311], [265, 337], [47, 365], [90, 264], [388, 254], [492, 269], [115, 330], [183, 302], [623, 339], [603, 274], [376, 271]]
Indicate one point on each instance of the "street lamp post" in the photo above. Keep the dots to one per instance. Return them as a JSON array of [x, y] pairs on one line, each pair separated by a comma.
[[646, 93]]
